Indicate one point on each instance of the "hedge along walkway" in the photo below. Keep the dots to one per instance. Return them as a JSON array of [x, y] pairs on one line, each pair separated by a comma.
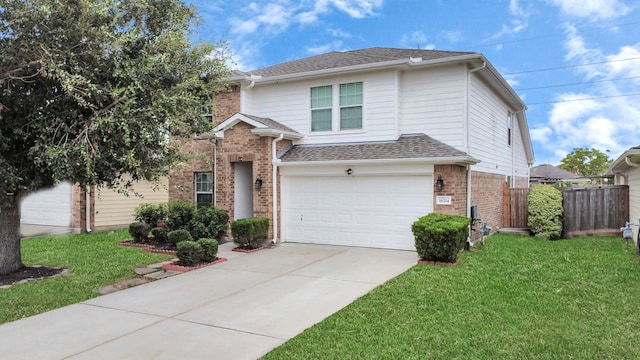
[[516, 298]]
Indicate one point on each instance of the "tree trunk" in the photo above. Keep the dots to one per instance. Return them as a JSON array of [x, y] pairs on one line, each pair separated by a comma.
[[10, 257]]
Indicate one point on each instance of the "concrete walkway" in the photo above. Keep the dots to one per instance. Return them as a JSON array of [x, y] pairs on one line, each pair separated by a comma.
[[238, 309]]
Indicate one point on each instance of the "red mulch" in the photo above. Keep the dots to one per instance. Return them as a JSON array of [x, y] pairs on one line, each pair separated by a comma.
[[173, 266], [243, 250], [148, 247]]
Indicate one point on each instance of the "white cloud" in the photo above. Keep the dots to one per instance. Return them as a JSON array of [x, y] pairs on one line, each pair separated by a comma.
[[592, 9], [340, 33], [452, 36], [321, 49], [357, 9], [415, 40]]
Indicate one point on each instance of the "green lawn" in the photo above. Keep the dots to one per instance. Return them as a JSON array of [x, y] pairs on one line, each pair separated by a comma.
[[514, 298], [94, 260]]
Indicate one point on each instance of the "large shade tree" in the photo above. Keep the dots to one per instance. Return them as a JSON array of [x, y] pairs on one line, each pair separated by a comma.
[[590, 163], [93, 89]]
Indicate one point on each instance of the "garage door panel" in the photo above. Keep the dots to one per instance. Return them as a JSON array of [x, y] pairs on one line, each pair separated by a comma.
[[48, 207], [374, 211]]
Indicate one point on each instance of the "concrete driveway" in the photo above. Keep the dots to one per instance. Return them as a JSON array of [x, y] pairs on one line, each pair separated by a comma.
[[238, 309]]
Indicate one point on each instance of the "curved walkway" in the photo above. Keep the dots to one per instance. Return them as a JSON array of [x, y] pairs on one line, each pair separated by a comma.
[[238, 309]]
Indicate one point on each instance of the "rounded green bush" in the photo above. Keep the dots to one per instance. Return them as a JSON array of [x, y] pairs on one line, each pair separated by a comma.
[[439, 237], [209, 249], [176, 236], [150, 213], [160, 235], [180, 214], [545, 212], [209, 222], [139, 231], [189, 253]]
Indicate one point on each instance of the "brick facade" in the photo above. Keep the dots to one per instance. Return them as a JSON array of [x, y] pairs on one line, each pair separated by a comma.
[[455, 186]]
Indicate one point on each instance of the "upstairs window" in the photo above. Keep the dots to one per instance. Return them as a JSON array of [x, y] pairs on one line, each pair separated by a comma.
[[509, 127], [321, 108], [351, 106], [204, 189]]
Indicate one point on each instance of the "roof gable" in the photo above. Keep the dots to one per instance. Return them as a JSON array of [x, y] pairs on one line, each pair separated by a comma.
[[262, 127]]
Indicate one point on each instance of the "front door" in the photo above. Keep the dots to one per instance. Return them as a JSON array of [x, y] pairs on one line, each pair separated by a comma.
[[243, 190]]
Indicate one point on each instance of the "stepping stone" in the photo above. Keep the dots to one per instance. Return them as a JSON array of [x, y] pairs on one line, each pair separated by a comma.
[[145, 270], [161, 274]]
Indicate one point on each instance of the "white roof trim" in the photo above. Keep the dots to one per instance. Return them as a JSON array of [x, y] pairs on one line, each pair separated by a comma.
[[460, 160]]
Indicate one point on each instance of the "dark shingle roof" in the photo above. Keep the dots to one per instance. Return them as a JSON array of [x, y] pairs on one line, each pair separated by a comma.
[[413, 146], [271, 124], [548, 171], [338, 59]]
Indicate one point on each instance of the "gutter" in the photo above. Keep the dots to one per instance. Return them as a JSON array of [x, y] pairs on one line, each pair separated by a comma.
[[462, 160]]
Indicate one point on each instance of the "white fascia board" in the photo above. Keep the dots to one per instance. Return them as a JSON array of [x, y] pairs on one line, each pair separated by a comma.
[[264, 131], [620, 165], [526, 136], [362, 67], [464, 160]]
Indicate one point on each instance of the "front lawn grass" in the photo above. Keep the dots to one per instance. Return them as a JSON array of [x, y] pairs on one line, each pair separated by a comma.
[[515, 298], [94, 260]]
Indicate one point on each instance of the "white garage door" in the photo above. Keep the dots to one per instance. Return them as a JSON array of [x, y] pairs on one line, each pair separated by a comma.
[[48, 207], [369, 211]]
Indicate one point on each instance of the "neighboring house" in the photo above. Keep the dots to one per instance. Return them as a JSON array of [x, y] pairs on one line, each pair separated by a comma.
[[626, 170], [65, 206], [350, 148], [547, 174]]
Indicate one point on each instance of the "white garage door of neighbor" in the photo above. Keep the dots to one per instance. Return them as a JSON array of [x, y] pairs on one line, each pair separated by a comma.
[[48, 207], [371, 211]]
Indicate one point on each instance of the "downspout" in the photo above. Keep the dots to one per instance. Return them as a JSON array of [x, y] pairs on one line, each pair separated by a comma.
[[214, 141], [87, 208], [275, 187], [471, 71]]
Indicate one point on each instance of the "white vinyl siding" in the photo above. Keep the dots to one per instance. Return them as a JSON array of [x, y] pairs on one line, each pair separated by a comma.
[[289, 104], [433, 102], [634, 198]]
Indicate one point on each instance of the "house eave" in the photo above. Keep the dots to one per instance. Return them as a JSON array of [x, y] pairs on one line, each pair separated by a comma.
[[459, 160], [276, 133], [622, 163]]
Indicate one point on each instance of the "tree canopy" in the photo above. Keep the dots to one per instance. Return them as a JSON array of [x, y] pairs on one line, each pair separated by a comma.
[[92, 89], [591, 163]]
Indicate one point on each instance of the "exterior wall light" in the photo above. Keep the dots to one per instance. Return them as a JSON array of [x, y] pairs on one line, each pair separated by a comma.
[[349, 171], [439, 183], [258, 183]]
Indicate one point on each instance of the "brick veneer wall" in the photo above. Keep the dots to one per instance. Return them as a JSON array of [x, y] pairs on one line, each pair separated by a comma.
[[241, 145], [487, 195], [78, 209], [455, 185], [182, 181], [226, 104]]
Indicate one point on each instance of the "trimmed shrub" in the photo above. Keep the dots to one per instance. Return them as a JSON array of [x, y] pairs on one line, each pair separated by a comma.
[[209, 222], [439, 237], [139, 231], [160, 235], [209, 249], [176, 236], [545, 212], [248, 233], [180, 215], [150, 213], [189, 253]]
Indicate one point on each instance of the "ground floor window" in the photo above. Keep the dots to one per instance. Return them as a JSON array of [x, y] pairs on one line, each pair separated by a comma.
[[204, 188]]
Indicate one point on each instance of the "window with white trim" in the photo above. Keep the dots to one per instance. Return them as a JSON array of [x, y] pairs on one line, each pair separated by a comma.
[[204, 188], [351, 106], [347, 115], [321, 108]]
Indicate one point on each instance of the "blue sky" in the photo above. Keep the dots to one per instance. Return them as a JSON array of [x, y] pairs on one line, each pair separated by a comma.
[[575, 63]]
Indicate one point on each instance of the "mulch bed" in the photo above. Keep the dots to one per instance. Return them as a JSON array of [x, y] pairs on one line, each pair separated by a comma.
[[247, 251], [173, 266], [439, 263], [148, 247], [30, 273]]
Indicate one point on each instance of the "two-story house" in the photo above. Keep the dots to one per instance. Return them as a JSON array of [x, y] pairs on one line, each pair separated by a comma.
[[350, 148]]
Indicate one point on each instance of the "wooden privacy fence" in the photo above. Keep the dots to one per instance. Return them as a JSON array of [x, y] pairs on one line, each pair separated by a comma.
[[586, 210], [592, 210]]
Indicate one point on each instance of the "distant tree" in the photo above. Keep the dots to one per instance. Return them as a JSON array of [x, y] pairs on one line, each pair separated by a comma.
[[92, 89], [590, 163]]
